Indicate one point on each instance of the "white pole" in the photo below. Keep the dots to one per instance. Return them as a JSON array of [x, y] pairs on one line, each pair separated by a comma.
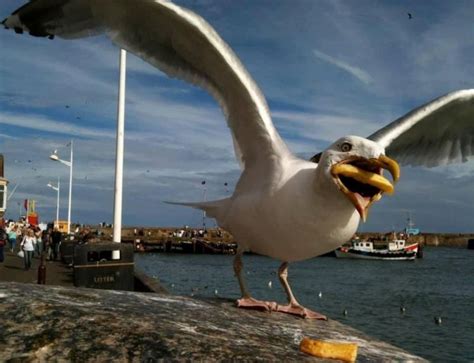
[[12, 192], [204, 212], [70, 191], [57, 205], [117, 236]]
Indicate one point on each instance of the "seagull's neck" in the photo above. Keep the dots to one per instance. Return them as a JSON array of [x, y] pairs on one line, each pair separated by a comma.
[[330, 196]]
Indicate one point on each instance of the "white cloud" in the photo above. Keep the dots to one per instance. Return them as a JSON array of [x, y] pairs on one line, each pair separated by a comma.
[[319, 126], [45, 124], [358, 73]]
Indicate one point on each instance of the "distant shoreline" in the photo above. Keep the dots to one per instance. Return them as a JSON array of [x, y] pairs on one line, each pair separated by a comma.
[[160, 233]]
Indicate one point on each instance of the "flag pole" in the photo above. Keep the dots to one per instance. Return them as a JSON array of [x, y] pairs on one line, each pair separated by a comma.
[[117, 233]]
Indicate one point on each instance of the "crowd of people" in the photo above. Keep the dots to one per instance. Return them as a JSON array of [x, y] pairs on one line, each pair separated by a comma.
[[29, 241]]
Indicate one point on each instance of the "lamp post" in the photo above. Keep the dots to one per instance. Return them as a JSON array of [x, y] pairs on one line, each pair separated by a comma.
[[57, 188], [54, 156], [203, 183]]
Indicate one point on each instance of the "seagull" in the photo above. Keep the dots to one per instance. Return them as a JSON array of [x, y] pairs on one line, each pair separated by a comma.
[[283, 207]]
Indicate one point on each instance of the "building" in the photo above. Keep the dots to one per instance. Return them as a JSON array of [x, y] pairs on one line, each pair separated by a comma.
[[3, 189]]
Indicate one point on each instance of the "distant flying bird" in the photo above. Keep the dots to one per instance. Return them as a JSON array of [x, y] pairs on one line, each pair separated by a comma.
[[283, 207], [409, 16]]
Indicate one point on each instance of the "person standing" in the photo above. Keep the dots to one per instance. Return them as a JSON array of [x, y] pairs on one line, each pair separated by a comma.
[[47, 244], [39, 242], [28, 246], [12, 237], [55, 239], [3, 242]]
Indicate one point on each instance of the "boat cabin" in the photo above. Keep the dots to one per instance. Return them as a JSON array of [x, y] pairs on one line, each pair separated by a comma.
[[396, 244], [362, 245]]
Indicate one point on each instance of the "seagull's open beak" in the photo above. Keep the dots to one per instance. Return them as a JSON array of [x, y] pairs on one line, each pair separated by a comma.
[[362, 180]]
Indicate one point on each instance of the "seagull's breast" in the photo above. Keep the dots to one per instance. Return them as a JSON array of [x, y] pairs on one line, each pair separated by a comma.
[[294, 220]]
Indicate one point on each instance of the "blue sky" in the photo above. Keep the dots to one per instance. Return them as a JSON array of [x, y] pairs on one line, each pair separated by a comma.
[[327, 68]]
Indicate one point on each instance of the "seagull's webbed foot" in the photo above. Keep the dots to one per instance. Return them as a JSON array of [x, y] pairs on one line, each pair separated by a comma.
[[297, 309], [293, 306], [246, 301], [251, 303]]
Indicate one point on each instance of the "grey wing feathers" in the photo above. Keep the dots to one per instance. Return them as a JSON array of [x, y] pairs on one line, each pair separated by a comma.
[[437, 133], [64, 18]]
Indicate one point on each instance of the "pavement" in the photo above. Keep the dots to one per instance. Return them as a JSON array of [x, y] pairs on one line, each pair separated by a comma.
[[12, 269]]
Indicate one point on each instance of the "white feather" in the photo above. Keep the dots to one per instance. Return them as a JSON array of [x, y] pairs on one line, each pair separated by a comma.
[[437, 133]]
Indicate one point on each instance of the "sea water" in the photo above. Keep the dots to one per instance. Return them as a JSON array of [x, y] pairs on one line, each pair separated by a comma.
[[395, 301]]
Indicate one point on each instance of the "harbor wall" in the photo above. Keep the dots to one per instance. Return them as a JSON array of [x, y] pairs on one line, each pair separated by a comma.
[[156, 235]]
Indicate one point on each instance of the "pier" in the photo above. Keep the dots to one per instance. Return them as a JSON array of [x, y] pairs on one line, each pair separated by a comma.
[[154, 239], [68, 323], [94, 325]]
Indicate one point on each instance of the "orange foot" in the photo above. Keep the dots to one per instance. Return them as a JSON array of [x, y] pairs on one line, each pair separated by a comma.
[[251, 303], [300, 311]]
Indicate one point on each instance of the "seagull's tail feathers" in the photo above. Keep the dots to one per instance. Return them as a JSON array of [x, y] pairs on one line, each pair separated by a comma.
[[49, 18], [213, 209]]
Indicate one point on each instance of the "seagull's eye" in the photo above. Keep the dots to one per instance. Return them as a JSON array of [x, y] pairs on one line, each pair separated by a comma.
[[346, 147]]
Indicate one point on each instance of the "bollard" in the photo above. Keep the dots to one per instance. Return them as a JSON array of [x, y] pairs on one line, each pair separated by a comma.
[[42, 271]]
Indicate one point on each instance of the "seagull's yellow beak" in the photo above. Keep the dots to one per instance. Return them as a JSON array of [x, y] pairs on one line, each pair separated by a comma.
[[362, 180]]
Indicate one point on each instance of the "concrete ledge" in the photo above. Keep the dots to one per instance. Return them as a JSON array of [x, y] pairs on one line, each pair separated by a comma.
[[74, 324], [143, 283]]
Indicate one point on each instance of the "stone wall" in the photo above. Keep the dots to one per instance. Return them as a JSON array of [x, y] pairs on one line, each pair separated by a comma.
[[52, 323]]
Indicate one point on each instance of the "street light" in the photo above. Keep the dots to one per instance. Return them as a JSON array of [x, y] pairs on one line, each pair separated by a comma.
[[57, 188], [54, 156], [203, 183]]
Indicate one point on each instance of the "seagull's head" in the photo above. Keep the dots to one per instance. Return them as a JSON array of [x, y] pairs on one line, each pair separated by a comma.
[[356, 166]]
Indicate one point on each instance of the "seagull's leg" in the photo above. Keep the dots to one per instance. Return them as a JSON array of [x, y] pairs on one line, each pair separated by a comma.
[[246, 301], [294, 306]]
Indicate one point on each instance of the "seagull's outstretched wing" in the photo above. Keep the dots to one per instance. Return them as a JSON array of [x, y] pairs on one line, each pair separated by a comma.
[[178, 42], [437, 133]]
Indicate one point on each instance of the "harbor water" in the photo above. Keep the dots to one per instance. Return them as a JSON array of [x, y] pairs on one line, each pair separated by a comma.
[[395, 301]]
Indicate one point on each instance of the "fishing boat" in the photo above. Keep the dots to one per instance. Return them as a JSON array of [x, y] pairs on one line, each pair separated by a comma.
[[395, 249]]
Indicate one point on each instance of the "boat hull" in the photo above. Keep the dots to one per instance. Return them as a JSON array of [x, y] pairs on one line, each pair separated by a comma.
[[365, 255]]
